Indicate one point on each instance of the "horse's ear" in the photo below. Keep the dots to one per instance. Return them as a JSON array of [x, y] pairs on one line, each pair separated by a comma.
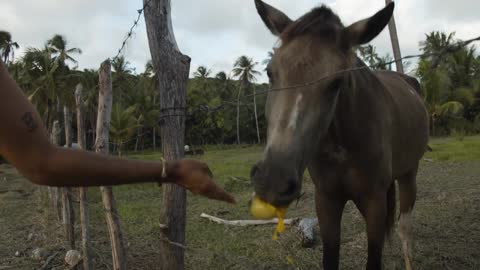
[[273, 18], [365, 30]]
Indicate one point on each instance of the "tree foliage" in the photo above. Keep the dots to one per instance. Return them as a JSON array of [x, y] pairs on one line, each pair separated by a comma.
[[48, 75]]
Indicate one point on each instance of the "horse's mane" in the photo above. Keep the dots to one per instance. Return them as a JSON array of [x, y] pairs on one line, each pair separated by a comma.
[[319, 21]]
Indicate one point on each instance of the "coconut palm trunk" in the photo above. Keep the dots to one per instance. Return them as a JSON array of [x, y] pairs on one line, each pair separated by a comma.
[[256, 115], [238, 114]]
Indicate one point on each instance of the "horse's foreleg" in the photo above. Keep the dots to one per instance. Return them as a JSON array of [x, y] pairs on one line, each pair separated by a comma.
[[329, 213], [408, 192], [374, 209]]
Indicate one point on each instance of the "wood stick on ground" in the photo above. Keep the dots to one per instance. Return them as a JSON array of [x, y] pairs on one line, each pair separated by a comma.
[[49, 260], [289, 221], [305, 226]]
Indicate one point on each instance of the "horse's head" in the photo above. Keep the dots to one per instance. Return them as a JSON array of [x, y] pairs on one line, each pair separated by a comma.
[[312, 47]]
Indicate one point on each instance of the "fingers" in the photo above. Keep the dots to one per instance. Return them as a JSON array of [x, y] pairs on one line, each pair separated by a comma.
[[213, 191]]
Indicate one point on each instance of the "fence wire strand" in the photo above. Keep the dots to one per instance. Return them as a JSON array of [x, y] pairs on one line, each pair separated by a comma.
[[131, 31], [437, 56]]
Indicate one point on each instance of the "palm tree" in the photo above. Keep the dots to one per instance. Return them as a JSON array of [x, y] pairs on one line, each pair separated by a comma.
[[244, 70], [224, 81], [267, 60], [149, 69], [7, 46], [149, 78], [122, 126], [60, 51], [42, 72], [90, 94], [202, 72], [121, 66], [67, 80], [221, 76], [121, 74], [449, 81]]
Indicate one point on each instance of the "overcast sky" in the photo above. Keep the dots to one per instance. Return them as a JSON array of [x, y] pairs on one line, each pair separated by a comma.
[[214, 32]]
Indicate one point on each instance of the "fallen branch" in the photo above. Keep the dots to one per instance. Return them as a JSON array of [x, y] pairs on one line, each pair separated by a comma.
[[305, 226], [289, 221], [49, 259]]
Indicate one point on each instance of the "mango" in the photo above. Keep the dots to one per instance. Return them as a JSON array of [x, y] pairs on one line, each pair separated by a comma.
[[263, 210]]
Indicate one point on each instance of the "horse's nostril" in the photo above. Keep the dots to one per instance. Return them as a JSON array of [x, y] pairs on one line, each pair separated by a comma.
[[291, 188]]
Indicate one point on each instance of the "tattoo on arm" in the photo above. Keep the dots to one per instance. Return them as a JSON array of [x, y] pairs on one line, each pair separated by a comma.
[[29, 122]]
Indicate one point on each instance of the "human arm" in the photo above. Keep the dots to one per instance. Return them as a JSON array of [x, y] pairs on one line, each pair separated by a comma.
[[24, 143]]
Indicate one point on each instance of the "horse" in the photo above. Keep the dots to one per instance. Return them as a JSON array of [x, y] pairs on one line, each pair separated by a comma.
[[356, 130]]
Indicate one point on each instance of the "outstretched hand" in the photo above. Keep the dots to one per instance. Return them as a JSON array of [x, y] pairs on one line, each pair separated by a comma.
[[197, 177]]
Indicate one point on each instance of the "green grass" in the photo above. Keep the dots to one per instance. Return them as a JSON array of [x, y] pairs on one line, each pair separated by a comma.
[[457, 148], [446, 227]]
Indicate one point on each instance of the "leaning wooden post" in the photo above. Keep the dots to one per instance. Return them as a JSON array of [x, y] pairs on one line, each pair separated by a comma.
[[84, 215], [172, 69], [101, 146], [395, 43], [55, 191], [68, 217]]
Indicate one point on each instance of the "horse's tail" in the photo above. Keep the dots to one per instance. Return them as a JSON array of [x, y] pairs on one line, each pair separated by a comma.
[[391, 207]]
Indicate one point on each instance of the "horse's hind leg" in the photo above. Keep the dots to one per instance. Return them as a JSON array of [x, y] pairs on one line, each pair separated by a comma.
[[408, 193]]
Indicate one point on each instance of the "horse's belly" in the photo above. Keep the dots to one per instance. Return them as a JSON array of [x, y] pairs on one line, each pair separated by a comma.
[[409, 131]]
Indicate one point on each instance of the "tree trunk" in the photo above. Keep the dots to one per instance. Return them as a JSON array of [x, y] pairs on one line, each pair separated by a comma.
[[154, 139], [68, 217], [395, 43], [84, 215], [101, 146], [137, 141], [238, 114], [255, 109], [55, 191], [155, 128], [172, 69], [68, 126]]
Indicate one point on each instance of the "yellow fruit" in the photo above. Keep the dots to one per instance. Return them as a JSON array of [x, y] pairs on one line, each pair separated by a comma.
[[281, 216], [262, 210], [280, 212]]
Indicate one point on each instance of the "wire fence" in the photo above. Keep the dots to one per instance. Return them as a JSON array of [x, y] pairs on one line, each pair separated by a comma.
[[191, 112], [437, 57], [131, 31], [182, 111]]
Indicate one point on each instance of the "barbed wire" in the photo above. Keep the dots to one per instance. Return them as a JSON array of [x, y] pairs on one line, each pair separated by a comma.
[[448, 49], [438, 55], [182, 111], [130, 32]]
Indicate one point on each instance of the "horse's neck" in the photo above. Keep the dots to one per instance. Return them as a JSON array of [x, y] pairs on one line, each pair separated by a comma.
[[357, 93]]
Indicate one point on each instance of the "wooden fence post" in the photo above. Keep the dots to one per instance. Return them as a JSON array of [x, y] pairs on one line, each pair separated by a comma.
[[172, 69], [84, 215], [68, 217], [101, 146], [395, 43], [55, 191]]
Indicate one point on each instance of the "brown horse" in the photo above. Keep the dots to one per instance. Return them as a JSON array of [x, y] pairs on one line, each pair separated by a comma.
[[356, 131]]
